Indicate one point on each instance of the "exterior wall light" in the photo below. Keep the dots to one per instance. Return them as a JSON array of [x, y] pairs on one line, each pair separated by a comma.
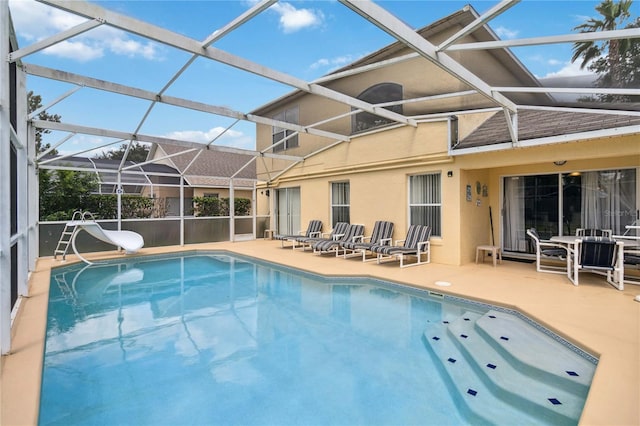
[[560, 162]]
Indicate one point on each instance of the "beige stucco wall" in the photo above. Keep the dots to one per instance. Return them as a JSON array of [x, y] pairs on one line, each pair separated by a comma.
[[378, 166], [419, 79], [491, 167]]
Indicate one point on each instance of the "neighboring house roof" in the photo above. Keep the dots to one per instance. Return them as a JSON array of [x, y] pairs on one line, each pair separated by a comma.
[[537, 124], [212, 167], [106, 171]]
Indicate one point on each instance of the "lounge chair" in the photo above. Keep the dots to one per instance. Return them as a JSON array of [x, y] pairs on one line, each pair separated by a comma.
[[337, 232], [416, 243], [382, 231], [314, 229], [600, 255], [548, 254], [353, 233]]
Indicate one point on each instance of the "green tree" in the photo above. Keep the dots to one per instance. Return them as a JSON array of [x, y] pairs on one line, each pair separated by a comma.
[[615, 61], [138, 152], [34, 102], [63, 191]]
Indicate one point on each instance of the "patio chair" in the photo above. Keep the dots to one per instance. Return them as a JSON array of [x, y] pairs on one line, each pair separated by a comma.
[[307, 242], [314, 229], [382, 230], [593, 232], [416, 243], [599, 255], [548, 254], [353, 233]]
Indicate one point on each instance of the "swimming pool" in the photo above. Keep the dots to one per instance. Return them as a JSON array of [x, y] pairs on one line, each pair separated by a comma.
[[210, 338]]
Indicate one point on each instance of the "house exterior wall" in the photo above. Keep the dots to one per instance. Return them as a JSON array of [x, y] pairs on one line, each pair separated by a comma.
[[378, 166], [222, 192], [418, 78], [378, 163], [491, 167]]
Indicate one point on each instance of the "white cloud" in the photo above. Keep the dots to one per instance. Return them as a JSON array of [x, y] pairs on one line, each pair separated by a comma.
[[506, 33], [292, 19], [81, 52], [35, 21], [232, 138], [569, 69], [333, 63]]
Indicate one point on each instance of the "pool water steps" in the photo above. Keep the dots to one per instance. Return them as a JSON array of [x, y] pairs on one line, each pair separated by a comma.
[[497, 357]]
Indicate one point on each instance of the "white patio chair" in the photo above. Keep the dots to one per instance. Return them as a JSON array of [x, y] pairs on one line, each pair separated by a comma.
[[598, 255], [549, 254]]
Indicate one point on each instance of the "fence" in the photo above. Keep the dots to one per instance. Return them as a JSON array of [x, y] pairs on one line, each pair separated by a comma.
[[157, 232]]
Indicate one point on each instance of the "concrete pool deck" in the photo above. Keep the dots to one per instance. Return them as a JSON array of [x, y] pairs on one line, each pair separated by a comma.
[[595, 316]]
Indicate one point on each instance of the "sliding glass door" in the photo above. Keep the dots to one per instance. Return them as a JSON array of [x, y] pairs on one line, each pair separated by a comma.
[[558, 204], [288, 210]]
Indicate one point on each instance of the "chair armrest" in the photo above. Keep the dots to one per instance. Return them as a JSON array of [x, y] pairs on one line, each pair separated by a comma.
[[315, 234], [385, 241], [357, 238], [424, 243], [547, 243], [337, 236]]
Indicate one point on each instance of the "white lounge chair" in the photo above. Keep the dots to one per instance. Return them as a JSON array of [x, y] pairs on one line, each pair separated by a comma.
[[314, 229], [382, 230], [416, 244]]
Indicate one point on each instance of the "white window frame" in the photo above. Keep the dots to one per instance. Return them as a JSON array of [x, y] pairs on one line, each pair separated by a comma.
[[436, 228], [290, 115], [333, 204]]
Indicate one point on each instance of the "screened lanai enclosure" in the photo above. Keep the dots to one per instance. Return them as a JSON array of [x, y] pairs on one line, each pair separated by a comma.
[[183, 90]]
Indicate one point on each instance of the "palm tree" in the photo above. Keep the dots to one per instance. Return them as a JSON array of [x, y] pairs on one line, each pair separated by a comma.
[[613, 16]]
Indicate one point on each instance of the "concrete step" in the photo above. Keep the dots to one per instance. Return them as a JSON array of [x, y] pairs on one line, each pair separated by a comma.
[[508, 382], [537, 353], [474, 397]]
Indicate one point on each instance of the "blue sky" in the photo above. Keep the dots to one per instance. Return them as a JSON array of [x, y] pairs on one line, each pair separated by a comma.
[[305, 39]]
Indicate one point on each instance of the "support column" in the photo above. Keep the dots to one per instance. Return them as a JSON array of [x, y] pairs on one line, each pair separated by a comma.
[[232, 213], [5, 187]]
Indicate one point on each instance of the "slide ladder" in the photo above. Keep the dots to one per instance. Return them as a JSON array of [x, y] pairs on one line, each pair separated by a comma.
[[67, 234]]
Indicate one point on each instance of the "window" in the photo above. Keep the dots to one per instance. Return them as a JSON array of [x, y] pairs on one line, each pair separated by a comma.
[[339, 202], [288, 116], [380, 93], [425, 202]]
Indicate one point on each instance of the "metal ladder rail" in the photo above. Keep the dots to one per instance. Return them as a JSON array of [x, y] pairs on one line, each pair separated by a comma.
[[69, 294], [67, 234]]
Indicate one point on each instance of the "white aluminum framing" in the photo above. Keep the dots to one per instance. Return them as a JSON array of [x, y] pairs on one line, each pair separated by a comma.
[[5, 188], [374, 13]]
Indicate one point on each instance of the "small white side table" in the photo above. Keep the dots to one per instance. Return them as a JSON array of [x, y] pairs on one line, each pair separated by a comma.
[[495, 251]]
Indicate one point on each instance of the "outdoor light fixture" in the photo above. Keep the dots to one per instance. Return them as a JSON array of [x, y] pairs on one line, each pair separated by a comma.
[[560, 162], [450, 173]]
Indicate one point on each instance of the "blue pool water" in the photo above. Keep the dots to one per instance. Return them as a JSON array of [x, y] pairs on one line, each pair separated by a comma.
[[211, 339]]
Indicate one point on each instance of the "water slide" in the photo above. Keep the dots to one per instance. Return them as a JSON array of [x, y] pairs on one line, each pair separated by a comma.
[[130, 241]]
